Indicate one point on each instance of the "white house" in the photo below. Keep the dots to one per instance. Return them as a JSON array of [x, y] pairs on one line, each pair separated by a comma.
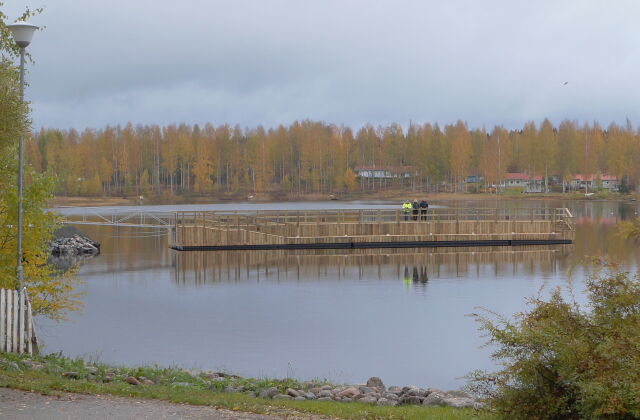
[[522, 180], [594, 182], [383, 172]]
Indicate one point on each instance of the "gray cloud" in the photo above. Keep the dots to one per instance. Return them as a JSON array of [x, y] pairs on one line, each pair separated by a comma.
[[270, 62]]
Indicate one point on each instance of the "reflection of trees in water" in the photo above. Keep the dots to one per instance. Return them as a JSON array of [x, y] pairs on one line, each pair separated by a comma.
[[418, 265]]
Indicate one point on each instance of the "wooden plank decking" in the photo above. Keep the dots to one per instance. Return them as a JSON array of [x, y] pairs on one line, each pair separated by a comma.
[[322, 229]]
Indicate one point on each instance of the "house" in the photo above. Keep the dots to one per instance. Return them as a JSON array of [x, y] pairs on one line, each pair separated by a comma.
[[594, 182], [522, 180], [471, 179], [383, 172]]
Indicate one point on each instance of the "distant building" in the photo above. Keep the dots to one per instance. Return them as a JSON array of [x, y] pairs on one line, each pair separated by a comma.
[[522, 180], [594, 182], [383, 172], [474, 179]]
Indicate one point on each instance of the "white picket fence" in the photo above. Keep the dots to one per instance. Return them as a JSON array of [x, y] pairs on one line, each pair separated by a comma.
[[17, 334]]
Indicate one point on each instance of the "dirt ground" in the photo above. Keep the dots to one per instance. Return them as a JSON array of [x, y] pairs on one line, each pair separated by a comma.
[[21, 405]]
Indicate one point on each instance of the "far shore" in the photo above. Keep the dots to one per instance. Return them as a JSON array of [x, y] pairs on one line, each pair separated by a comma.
[[396, 195]]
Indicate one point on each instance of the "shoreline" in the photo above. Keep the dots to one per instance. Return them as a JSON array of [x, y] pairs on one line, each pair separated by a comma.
[[395, 196], [58, 373]]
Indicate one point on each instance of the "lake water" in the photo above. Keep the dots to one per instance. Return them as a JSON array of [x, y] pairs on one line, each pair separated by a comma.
[[344, 315]]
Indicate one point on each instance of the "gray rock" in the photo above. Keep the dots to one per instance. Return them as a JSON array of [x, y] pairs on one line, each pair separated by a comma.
[[408, 399], [366, 389], [315, 390], [30, 364], [459, 402], [417, 392], [390, 396], [250, 394], [230, 389], [326, 387], [350, 392], [294, 393], [395, 390], [368, 399], [375, 382], [309, 395], [435, 397], [132, 381], [282, 397], [301, 398], [12, 366], [325, 393], [347, 399], [406, 389], [181, 384], [325, 399], [269, 392], [386, 402]]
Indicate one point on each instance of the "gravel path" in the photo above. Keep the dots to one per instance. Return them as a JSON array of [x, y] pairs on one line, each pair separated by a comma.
[[20, 405]]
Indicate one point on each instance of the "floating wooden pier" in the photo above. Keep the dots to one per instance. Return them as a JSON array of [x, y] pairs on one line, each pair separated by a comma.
[[339, 229]]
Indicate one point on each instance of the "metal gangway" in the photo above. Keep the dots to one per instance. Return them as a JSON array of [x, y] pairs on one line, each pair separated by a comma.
[[110, 216]]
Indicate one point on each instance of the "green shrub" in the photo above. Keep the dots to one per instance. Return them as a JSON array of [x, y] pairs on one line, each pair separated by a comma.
[[562, 360]]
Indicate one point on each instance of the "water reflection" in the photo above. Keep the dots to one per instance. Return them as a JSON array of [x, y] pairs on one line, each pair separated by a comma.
[[410, 266]]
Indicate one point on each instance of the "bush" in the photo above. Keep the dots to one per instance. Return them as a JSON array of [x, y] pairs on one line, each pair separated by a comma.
[[561, 360]]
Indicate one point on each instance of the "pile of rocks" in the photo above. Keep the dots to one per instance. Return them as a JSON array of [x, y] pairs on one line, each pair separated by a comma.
[[373, 392], [73, 245]]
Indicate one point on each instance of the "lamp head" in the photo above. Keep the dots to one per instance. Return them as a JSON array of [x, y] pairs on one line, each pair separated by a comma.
[[22, 33]]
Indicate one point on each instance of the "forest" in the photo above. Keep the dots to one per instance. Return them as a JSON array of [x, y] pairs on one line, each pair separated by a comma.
[[315, 157]]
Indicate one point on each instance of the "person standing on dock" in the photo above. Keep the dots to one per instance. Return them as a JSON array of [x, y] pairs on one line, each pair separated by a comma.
[[406, 209], [423, 209], [416, 209]]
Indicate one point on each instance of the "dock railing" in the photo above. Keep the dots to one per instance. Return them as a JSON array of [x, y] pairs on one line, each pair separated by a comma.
[[277, 227]]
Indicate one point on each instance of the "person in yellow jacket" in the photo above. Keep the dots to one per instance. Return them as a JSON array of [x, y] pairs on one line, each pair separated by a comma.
[[406, 209]]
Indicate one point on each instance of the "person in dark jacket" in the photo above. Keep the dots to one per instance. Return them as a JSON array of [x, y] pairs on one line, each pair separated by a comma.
[[423, 209], [416, 209]]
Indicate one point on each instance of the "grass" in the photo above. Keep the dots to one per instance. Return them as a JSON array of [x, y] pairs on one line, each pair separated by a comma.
[[49, 380]]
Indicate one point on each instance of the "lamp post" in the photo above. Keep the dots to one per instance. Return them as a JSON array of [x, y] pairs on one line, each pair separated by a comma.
[[22, 33]]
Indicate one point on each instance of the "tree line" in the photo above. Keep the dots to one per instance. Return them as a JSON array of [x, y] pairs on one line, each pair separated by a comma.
[[316, 157]]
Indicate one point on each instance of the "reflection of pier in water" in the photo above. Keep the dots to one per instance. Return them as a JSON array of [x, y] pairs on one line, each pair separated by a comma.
[[193, 268]]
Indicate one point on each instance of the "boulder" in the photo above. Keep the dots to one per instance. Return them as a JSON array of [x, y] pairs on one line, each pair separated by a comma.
[[325, 399], [460, 402], [325, 393], [309, 395], [387, 402], [293, 392], [375, 382], [395, 390], [282, 397], [147, 382], [417, 392], [368, 399], [300, 398], [269, 392], [435, 397], [132, 381], [350, 392], [413, 400]]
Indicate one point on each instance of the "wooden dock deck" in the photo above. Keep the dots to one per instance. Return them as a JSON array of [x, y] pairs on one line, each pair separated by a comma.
[[336, 229]]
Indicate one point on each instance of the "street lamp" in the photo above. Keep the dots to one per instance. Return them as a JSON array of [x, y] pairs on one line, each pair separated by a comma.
[[22, 33]]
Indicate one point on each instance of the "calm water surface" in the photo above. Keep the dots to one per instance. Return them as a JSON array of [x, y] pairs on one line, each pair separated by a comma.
[[344, 315]]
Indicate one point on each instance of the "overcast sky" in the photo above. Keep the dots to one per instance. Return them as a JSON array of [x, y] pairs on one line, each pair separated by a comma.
[[346, 62]]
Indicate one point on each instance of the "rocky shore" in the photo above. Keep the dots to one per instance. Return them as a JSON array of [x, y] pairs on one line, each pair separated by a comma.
[[73, 245], [372, 392]]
